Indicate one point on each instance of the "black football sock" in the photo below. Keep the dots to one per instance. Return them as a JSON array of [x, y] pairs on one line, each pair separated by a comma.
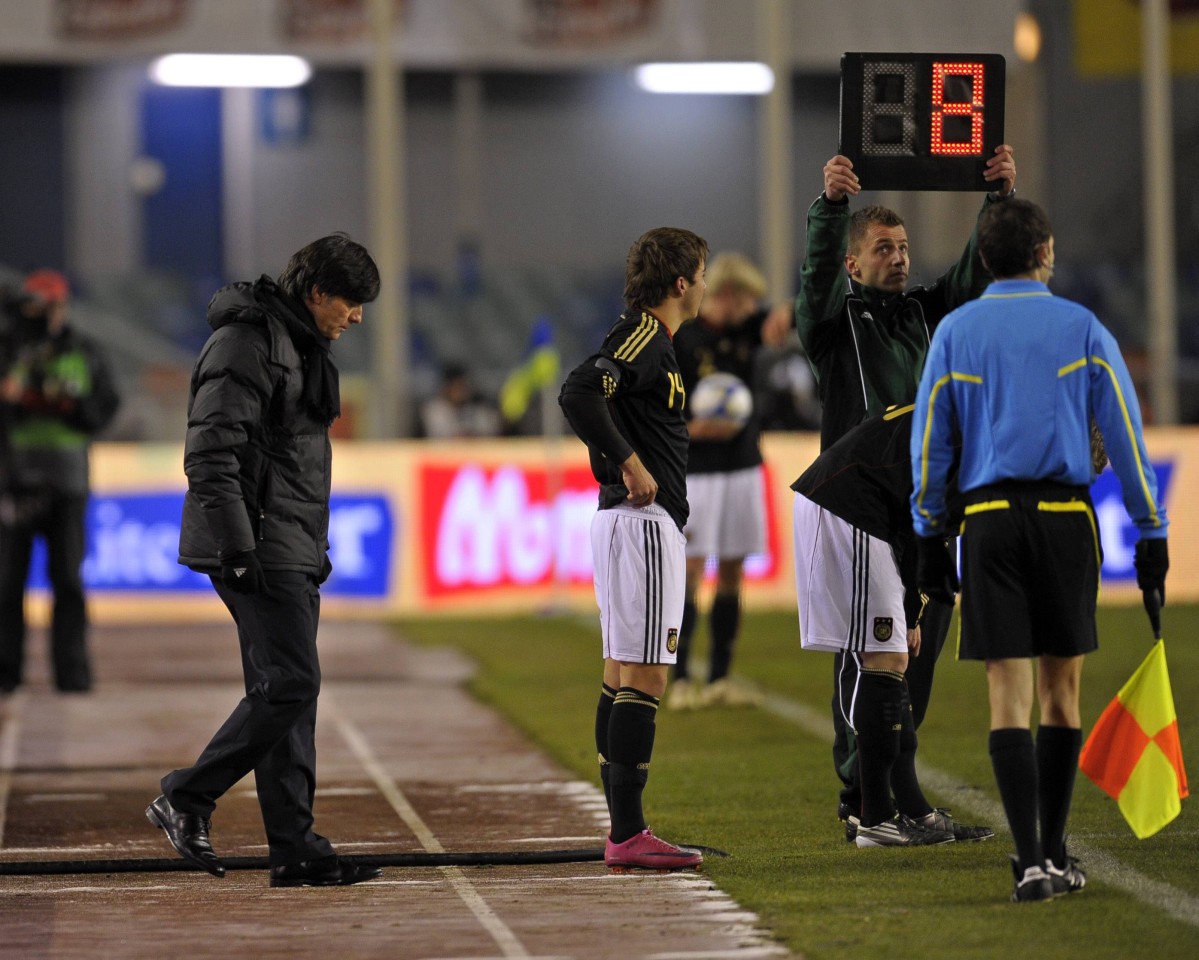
[[1057, 760], [723, 622], [1014, 760], [630, 745], [877, 723], [909, 798], [603, 716], [686, 628]]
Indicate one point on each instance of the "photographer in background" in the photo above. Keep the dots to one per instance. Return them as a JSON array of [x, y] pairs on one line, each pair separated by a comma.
[[56, 393]]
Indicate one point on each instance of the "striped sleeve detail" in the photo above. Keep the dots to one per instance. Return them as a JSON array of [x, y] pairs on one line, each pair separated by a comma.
[[1071, 367], [636, 341], [1132, 439], [928, 432]]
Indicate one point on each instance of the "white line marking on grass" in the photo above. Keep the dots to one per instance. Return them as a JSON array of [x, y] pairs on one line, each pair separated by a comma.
[[1178, 904], [500, 932], [10, 739]]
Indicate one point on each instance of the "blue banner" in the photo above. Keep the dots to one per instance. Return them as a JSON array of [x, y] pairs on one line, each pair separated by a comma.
[[1117, 533], [133, 545]]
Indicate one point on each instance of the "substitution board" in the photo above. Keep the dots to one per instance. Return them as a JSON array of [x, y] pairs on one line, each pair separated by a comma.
[[921, 121]]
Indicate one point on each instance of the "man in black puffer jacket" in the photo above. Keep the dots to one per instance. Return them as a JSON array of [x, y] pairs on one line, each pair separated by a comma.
[[256, 520]]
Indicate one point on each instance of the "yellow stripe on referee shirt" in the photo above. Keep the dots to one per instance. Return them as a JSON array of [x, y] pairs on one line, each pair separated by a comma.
[[928, 429], [1132, 439]]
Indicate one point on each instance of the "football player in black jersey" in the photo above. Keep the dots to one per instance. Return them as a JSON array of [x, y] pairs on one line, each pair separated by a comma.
[[626, 403], [724, 470]]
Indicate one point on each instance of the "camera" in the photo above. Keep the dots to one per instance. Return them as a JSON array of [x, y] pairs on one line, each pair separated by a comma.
[[23, 317]]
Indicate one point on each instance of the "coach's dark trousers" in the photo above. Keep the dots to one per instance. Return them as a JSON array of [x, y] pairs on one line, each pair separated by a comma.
[[919, 676], [272, 731]]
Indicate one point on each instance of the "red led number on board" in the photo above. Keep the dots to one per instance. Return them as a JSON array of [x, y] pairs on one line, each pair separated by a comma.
[[957, 109]]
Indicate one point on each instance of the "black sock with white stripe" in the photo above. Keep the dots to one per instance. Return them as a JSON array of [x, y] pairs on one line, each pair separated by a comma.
[[630, 745], [603, 716]]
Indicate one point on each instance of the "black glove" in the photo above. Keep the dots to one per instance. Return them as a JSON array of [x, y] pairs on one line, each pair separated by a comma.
[[936, 575], [242, 573], [1152, 560]]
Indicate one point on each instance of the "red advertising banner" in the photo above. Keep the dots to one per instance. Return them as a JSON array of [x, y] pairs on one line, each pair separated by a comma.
[[495, 528], [486, 528]]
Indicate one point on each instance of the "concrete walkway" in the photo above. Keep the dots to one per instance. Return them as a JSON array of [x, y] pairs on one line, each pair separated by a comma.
[[408, 763]]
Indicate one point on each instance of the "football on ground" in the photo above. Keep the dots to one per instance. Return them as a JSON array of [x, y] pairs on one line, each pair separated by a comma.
[[723, 396]]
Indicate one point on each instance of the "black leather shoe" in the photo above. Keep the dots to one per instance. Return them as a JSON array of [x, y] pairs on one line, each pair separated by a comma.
[[188, 833], [325, 872]]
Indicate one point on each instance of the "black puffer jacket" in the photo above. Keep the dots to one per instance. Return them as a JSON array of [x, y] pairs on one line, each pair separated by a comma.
[[257, 457]]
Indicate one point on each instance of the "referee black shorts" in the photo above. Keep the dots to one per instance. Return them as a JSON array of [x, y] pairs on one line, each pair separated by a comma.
[[1030, 572]]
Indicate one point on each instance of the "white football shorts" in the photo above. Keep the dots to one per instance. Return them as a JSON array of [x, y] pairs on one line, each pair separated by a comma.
[[640, 581], [847, 585], [728, 514]]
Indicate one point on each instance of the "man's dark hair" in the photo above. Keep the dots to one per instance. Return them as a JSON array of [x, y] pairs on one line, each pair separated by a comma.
[[656, 260], [1008, 236], [862, 220], [337, 265]]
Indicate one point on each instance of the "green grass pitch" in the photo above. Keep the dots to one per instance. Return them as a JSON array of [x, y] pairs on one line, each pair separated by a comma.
[[755, 784]]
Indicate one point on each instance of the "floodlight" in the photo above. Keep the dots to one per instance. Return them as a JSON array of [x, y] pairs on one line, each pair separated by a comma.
[[229, 70], [720, 77]]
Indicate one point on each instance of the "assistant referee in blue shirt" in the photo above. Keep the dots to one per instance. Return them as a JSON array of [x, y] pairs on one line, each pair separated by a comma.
[[1020, 375]]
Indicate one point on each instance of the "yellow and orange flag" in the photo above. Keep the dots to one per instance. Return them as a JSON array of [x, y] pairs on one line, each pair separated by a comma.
[[1134, 755]]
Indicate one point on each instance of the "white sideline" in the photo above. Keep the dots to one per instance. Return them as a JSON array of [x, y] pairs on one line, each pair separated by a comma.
[[501, 933], [1176, 903], [10, 739]]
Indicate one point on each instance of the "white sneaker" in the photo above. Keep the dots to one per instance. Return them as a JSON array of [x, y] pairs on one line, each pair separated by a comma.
[[725, 693], [683, 695], [1067, 879]]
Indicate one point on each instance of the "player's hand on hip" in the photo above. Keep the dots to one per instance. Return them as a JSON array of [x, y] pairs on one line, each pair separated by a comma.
[[914, 641], [839, 179], [936, 574], [1002, 168], [642, 487]]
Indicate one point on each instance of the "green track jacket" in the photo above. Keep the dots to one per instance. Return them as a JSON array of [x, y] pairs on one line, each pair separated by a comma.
[[867, 349]]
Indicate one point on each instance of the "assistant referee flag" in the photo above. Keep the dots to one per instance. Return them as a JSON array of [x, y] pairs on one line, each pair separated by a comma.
[[1134, 754]]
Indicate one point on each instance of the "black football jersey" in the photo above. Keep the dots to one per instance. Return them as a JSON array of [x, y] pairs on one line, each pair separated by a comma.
[[704, 349], [630, 396]]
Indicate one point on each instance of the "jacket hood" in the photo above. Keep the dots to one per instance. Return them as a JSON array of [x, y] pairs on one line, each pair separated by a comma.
[[236, 303]]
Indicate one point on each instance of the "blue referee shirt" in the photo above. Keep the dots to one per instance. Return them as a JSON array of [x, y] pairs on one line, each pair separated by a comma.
[[1018, 374]]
